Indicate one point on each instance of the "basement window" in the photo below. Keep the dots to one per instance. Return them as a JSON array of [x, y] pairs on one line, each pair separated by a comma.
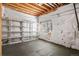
[[46, 26]]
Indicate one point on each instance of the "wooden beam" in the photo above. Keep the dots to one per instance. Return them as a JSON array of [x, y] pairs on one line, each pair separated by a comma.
[[0, 29], [55, 5], [19, 9], [26, 9], [35, 8], [38, 6], [46, 6], [22, 5], [51, 5], [55, 8], [58, 4]]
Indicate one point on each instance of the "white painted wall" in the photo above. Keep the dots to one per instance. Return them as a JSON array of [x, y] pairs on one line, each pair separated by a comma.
[[64, 27]]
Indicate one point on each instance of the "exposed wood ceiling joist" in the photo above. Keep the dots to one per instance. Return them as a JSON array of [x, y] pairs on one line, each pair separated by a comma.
[[35, 9], [28, 8], [17, 9]]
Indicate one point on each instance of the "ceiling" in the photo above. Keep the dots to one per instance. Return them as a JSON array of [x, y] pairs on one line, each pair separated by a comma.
[[35, 9]]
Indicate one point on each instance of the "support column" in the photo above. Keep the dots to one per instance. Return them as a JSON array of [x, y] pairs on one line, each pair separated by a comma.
[[0, 29], [76, 15]]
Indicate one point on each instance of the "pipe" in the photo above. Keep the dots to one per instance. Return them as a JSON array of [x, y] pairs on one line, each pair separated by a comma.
[[76, 16]]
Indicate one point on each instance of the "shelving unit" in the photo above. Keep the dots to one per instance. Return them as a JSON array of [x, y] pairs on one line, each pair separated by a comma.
[[17, 31]]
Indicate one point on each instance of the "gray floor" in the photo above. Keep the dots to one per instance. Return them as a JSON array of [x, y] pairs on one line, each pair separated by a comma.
[[38, 48]]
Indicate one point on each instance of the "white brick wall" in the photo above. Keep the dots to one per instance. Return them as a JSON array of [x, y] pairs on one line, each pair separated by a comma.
[[15, 15], [64, 26]]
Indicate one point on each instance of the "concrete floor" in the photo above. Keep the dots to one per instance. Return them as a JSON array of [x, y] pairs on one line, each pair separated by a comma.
[[38, 48]]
